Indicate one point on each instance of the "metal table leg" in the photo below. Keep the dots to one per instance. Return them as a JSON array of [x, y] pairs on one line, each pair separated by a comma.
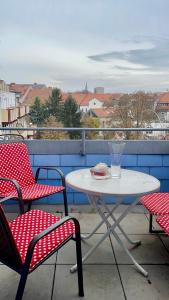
[[111, 229]]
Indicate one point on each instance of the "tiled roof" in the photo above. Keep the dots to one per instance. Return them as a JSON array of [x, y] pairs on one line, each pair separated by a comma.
[[103, 112], [19, 88], [42, 93], [83, 99], [164, 98]]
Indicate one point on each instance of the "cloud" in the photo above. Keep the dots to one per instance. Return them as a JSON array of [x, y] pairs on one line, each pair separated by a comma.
[[155, 57]]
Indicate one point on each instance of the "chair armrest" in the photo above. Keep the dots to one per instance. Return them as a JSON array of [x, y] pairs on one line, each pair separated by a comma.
[[53, 169], [46, 232], [63, 183], [19, 192]]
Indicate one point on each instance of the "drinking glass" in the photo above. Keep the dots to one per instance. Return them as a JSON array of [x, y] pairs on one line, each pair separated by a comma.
[[116, 151]]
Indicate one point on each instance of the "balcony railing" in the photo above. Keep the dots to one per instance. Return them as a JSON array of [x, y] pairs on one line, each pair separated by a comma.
[[83, 131], [148, 156]]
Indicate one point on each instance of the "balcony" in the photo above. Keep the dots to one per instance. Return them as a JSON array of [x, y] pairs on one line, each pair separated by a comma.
[[108, 274], [151, 157]]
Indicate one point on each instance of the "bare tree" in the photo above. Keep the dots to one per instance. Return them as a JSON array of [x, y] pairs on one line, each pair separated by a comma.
[[134, 111]]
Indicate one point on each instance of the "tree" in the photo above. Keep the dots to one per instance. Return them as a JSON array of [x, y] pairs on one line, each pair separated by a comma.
[[37, 112], [53, 135], [91, 122], [134, 110], [53, 104], [70, 116]]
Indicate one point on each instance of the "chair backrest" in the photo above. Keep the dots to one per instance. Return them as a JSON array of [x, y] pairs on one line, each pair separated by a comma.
[[9, 253], [15, 164]]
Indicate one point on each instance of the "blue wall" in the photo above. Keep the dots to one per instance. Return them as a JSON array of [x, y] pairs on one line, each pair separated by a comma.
[[153, 164]]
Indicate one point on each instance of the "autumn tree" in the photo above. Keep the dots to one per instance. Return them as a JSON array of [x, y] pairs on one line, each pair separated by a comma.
[[91, 122], [134, 110], [54, 135]]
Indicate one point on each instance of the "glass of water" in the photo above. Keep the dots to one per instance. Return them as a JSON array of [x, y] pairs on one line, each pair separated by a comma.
[[116, 149]]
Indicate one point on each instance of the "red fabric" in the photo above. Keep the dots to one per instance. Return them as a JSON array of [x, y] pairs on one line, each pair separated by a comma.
[[15, 164], [28, 225], [36, 191], [156, 203], [164, 223]]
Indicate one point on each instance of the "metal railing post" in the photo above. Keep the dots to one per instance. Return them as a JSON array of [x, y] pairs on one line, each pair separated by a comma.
[[83, 142]]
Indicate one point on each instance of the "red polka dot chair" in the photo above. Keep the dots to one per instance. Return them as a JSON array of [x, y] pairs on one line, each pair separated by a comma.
[[31, 238], [157, 204], [17, 178], [163, 221]]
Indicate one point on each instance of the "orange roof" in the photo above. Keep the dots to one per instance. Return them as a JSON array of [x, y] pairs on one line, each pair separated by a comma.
[[77, 96], [83, 99], [164, 98], [42, 93], [19, 88], [103, 112]]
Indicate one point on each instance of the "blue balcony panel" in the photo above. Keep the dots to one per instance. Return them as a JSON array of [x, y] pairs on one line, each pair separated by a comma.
[[140, 169], [80, 198], [31, 159], [112, 200], [150, 160], [55, 174], [160, 172], [151, 157], [42, 173], [129, 160], [72, 160], [166, 160], [50, 181], [92, 160], [46, 160], [55, 199], [164, 186]]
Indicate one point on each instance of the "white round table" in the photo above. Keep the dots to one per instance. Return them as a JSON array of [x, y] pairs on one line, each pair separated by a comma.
[[131, 183]]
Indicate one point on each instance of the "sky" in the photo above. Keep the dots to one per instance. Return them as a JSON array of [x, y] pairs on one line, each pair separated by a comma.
[[121, 45]]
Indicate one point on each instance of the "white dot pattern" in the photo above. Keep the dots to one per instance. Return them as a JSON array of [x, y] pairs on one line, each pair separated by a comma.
[[164, 223], [15, 164], [28, 225], [36, 191], [156, 203]]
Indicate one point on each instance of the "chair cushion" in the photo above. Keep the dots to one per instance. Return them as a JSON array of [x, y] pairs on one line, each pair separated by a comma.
[[156, 203], [36, 191], [164, 223], [28, 225], [15, 164]]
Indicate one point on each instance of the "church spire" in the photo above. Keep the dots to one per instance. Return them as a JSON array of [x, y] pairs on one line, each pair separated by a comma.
[[85, 91]]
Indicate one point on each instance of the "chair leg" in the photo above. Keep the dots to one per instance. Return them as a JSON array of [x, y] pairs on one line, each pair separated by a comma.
[[79, 263], [21, 285], [29, 205], [151, 230], [65, 202], [150, 223]]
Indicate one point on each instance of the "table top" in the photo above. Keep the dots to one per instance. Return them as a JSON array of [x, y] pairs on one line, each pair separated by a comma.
[[131, 183]]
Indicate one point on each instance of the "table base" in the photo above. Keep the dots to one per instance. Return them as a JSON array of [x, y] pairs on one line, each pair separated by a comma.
[[105, 213]]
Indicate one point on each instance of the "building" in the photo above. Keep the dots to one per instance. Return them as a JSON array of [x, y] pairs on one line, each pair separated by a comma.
[[99, 90], [3, 86], [162, 107], [12, 113], [89, 101], [105, 115]]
